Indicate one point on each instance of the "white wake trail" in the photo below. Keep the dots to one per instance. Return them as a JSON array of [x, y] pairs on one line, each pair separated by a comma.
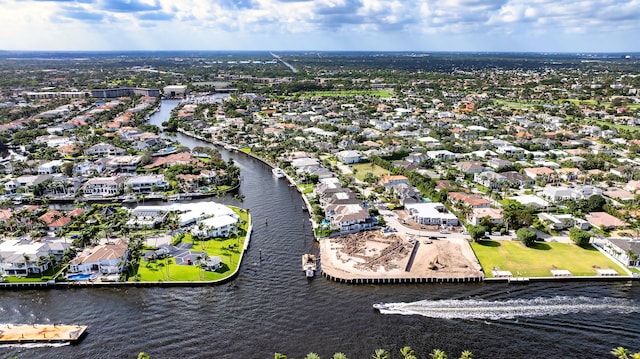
[[511, 308]]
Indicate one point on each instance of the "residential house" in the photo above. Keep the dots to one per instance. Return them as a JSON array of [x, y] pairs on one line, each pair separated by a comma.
[[406, 192], [518, 178], [568, 174], [625, 250], [350, 218], [494, 215], [20, 257], [605, 221], [497, 163], [416, 157], [469, 199], [431, 213], [182, 158], [87, 168], [619, 195], [562, 221], [390, 180], [146, 184], [107, 258], [441, 155], [27, 182], [123, 164], [104, 150], [349, 157], [103, 186], [490, 179], [217, 226], [471, 167], [536, 173], [511, 151], [561, 193], [50, 167]]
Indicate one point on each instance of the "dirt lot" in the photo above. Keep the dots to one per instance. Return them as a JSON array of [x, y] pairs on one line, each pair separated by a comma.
[[375, 255]]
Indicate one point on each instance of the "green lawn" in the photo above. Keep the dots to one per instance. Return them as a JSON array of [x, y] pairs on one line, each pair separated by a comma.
[[160, 270], [362, 169], [537, 262], [228, 249], [618, 126]]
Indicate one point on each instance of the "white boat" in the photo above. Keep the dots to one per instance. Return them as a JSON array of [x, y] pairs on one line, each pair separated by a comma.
[[278, 172], [309, 265], [380, 306]]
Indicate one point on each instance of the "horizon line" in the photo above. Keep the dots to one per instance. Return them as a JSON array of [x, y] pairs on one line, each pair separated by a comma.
[[355, 51]]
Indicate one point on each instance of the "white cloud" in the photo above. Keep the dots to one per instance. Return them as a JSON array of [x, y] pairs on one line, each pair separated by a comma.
[[328, 24]]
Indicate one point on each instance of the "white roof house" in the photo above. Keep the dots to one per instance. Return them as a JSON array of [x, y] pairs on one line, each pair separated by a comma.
[[431, 213]]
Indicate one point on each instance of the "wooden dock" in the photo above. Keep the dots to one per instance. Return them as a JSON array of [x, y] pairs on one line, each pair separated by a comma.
[[40, 333]]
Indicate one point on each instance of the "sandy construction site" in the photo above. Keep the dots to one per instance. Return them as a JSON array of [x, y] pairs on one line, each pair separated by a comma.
[[373, 254]]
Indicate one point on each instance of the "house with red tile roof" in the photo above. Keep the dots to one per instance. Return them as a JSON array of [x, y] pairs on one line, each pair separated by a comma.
[[604, 220], [470, 199]]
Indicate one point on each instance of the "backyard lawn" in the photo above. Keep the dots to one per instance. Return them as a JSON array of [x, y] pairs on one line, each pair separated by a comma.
[[513, 256], [167, 270], [362, 169], [228, 249]]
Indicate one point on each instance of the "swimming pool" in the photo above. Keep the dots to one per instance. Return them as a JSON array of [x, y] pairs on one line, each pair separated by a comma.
[[79, 277]]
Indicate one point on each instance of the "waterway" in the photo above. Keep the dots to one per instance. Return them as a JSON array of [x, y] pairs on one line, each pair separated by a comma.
[[271, 307]]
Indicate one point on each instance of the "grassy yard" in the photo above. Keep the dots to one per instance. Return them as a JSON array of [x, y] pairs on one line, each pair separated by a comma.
[[539, 261], [166, 269], [362, 169], [618, 126], [306, 188], [228, 249]]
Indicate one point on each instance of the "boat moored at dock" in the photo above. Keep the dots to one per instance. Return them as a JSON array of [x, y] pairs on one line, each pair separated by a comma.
[[309, 265], [277, 172]]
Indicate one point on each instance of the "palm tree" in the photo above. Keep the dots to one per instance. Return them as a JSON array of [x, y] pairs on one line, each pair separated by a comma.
[[381, 354], [279, 356], [27, 261], [312, 356], [466, 355], [438, 354], [620, 353], [407, 352], [340, 356]]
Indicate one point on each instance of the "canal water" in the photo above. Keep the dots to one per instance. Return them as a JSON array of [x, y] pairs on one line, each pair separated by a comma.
[[271, 307]]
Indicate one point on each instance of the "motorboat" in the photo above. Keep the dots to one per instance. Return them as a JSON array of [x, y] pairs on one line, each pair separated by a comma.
[[380, 306], [309, 265], [278, 172]]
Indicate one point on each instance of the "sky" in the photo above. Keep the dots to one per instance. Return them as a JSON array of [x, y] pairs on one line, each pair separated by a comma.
[[322, 25]]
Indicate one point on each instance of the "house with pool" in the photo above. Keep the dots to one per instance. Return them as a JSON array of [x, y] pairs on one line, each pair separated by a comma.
[[107, 258]]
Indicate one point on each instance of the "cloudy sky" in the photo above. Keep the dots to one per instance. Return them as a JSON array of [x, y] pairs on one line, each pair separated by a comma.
[[411, 25]]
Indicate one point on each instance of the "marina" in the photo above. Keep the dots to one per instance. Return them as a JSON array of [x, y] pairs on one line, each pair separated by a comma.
[[35, 333]]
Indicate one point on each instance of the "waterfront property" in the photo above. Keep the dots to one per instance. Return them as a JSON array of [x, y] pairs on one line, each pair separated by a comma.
[[107, 258], [198, 258], [539, 261]]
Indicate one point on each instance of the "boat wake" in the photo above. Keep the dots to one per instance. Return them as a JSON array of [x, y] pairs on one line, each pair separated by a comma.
[[509, 309]]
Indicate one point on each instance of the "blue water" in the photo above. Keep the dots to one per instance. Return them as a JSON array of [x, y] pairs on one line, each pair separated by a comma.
[[79, 277]]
